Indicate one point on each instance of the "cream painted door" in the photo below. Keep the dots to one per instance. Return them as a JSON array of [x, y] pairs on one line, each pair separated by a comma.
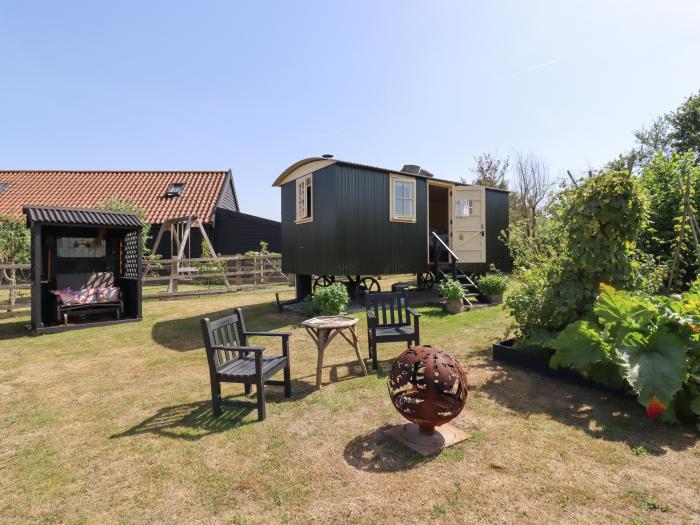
[[468, 240]]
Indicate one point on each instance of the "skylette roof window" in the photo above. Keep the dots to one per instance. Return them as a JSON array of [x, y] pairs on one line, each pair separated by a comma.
[[3, 186], [175, 189]]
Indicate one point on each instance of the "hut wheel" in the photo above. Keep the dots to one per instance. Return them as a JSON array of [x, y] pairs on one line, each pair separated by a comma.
[[322, 281], [371, 284], [426, 281]]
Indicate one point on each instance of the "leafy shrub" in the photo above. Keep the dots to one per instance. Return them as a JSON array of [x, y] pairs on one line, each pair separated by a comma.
[[308, 308], [329, 300], [649, 273], [493, 284], [650, 343], [451, 289], [591, 239], [209, 267]]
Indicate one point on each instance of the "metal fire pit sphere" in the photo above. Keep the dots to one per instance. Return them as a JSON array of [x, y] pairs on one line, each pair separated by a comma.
[[427, 386]]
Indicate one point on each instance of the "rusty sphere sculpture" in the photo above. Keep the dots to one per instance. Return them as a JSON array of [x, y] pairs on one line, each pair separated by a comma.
[[427, 386]]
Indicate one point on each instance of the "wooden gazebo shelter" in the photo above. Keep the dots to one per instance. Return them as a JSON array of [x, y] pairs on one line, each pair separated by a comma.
[[92, 252]]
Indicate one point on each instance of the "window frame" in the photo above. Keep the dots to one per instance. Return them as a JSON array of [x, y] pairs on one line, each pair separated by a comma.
[[393, 216], [78, 242], [469, 209], [176, 189], [308, 182]]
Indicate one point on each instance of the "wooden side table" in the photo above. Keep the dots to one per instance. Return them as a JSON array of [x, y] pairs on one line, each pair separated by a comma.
[[324, 329]]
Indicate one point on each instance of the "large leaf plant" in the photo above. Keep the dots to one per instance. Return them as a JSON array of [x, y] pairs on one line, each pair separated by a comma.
[[649, 343]]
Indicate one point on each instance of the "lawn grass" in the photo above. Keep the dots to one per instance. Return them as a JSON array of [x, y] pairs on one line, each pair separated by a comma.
[[113, 425]]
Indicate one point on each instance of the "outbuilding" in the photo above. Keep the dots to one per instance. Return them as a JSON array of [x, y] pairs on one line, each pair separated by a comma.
[[342, 218], [86, 267]]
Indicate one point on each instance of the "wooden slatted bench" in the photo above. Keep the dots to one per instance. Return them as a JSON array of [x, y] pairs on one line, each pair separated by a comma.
[[76, 281]]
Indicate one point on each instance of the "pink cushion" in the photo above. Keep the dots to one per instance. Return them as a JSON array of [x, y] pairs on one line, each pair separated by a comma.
[[84, 296], [65, 295], [108, 294]]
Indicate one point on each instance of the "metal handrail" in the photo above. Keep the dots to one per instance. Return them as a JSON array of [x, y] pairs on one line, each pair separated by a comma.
[[453, 254]]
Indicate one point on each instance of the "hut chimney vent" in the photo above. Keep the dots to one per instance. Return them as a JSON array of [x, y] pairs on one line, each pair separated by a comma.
[[414, 169]]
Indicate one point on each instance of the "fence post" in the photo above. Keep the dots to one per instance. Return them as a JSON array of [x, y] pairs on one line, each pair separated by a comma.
[[239, 277], [172, 284], [13, 290]]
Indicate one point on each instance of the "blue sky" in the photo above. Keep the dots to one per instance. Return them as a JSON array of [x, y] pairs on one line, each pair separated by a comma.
[[256, 86]]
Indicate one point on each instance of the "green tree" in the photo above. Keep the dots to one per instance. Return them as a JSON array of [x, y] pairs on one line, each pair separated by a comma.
[[653, 141], [685, 126], [15, 241], [116, 204], [661, 184], [491, 171], [15, 246]]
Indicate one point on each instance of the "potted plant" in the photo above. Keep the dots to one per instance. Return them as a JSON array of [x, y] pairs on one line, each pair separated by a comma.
[[452, 292], [330, 300], [493, 287]]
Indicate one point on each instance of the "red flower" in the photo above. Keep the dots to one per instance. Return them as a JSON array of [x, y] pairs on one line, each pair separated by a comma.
[[655, 407]]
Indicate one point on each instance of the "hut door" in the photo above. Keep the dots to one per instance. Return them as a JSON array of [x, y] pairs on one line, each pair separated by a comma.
[[468, 240]]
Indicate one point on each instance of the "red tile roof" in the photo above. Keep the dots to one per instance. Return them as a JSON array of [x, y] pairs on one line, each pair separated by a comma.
[[89, 189]]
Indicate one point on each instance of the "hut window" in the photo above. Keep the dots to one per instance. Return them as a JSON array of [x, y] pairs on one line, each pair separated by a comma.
[[304, 199], [465, 208], [403, 199], [80, 247]]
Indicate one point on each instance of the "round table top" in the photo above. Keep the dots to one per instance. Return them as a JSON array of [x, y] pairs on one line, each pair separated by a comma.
[[330, 321]]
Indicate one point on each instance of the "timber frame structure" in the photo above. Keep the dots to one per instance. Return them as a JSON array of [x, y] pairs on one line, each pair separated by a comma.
[[180, 229], [59, 259]]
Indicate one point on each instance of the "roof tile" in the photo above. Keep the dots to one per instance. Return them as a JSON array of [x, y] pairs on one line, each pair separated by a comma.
[[90, 189]]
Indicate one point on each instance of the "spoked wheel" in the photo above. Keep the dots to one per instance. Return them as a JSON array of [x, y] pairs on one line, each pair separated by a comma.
[[371, 285], [322, 281], [426, 281]]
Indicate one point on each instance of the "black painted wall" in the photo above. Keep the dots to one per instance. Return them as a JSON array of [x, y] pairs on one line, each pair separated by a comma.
[[351, 233], [233, 233], [236, 232], [497, 219]]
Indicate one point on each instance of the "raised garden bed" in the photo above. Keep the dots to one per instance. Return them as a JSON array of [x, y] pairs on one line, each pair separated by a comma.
[[537, 359]]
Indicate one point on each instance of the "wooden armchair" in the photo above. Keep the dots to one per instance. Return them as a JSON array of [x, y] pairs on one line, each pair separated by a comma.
[[389, 320], [228, 355]]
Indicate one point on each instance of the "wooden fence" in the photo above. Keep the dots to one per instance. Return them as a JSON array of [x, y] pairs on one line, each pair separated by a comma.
[[163, 278], [15, 290], [214, 275]]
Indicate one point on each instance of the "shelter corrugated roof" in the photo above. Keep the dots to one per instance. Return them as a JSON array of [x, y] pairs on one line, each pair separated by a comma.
[[81, 216]]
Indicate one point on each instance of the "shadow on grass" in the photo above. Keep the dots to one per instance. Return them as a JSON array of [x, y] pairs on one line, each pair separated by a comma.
[[378, 452], [14, 330], [183, 335], [350, 370], [190, 421], [193, 421], [606, 415], [437, 312], [434, 312]]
